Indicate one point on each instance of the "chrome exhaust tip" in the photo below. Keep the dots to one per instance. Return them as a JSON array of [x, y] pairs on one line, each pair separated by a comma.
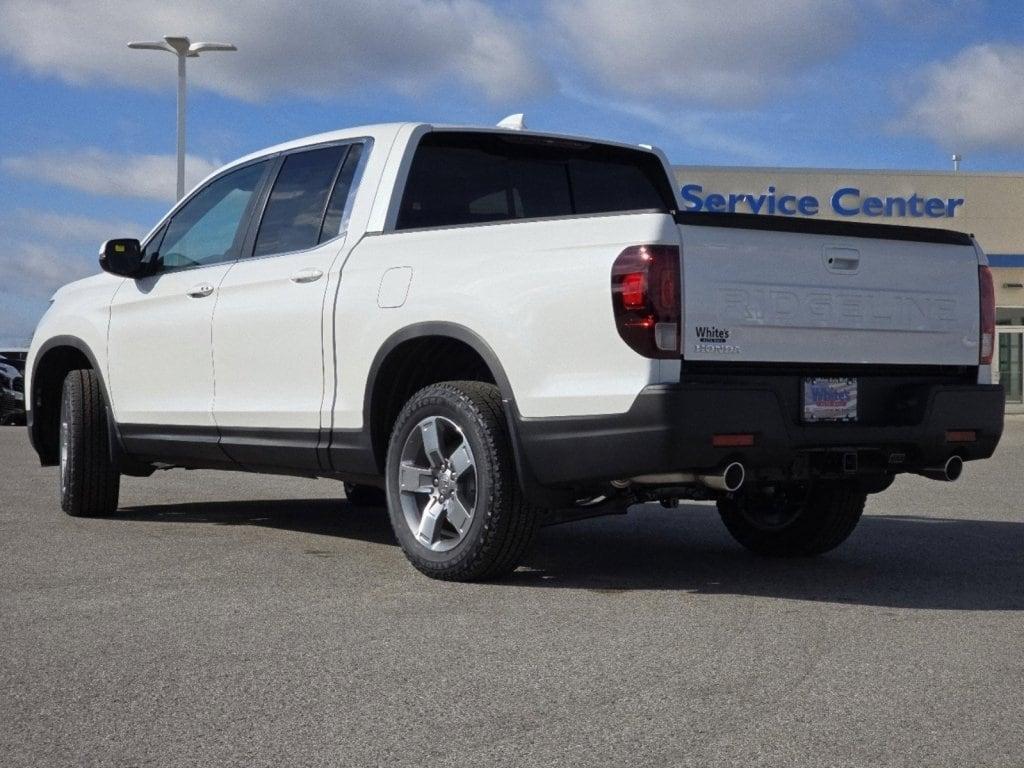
[[953, 468], [729, 480], [947, 473]]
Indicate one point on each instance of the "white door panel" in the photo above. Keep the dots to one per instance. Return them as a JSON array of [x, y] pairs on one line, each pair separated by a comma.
[[268, 331], [160, 365], [268, 341]]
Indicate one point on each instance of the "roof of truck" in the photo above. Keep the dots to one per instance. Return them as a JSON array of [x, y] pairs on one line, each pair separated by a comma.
[[389, 131], [387, 134], [378, 130]]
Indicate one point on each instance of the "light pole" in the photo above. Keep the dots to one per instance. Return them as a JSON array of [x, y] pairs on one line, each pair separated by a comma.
[[183, 48]]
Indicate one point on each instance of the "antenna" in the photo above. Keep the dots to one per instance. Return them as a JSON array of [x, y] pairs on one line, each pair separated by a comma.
[[516, 122]]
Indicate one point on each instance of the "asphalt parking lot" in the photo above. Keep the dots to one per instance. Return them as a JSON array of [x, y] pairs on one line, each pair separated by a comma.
[[227, 619]]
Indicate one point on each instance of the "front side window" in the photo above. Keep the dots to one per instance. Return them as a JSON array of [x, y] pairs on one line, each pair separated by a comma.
[[207, 229], [308, 199], [478, 178]]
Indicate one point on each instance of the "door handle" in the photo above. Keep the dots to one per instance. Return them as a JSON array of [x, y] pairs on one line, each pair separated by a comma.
[[308, 275], [200, 291]]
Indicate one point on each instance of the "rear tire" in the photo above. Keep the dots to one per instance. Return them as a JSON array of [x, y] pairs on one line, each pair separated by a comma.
[[794, 521], [89, 481], [456, 508]]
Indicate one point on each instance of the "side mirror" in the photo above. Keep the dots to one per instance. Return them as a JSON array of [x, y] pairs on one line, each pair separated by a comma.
[[123, 257]]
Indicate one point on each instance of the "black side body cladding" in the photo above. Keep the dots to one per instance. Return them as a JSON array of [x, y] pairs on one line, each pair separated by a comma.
[[354, 448], [186, 446], [420, 330]]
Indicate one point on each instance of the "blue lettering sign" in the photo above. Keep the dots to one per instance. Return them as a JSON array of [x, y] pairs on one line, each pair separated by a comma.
[[837, 201], [691, 196], [845, 201], [808, 205]]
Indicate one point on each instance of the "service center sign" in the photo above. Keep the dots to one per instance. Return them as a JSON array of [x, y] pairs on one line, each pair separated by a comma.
[[845, 201]]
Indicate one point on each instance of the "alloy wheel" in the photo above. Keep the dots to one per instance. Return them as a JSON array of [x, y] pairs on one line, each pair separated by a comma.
[[437, 483]]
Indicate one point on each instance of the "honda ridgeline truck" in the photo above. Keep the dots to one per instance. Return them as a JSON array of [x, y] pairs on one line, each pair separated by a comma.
[[492, 329]]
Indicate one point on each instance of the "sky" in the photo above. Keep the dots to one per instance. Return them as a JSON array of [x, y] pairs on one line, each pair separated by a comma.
[[88, 131]]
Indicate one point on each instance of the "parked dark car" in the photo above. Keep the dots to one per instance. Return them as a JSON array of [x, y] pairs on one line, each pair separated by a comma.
[[12, 394]]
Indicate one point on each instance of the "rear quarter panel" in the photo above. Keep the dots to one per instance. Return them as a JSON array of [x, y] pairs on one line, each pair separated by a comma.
[[537, 292]]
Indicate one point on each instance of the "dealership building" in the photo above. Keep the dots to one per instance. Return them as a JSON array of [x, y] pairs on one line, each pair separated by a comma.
[[988, 205]]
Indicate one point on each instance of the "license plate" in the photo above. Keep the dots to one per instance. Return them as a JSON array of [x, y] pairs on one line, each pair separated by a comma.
[[830, 399]]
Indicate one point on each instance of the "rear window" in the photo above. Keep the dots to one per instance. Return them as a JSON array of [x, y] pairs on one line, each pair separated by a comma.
[[478, 178]]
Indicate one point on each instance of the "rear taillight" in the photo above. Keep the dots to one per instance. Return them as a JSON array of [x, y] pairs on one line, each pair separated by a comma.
[[646, 299], [987, 292]]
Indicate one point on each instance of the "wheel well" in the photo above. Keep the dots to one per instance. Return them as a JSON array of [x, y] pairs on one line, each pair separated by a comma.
[[47, 388], [408, 368]]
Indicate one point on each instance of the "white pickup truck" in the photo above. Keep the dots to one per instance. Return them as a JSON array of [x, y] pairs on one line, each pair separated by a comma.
[[492, 329]]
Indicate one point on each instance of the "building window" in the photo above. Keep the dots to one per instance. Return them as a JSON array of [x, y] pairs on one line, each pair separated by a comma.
[[1010, 316]]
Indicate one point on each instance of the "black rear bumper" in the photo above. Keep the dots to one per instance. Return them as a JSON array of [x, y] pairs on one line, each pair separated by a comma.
[[902, 428]]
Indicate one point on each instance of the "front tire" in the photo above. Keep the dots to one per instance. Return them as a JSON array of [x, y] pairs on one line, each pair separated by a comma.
[[453, 497], [799, 520], [89, 481]]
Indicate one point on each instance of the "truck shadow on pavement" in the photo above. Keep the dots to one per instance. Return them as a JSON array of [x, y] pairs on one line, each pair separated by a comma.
[[893, 561], [890, 561], [322, 517]]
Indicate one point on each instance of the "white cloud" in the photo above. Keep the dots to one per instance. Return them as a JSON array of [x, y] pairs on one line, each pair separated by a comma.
[[37, 269], [107, 173], [930, 15], [974, 101], [71, 228], [43, 250], [283, 48], [730, 53], [696, 129]]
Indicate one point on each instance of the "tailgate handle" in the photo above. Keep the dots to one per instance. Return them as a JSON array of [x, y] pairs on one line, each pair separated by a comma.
[[843, 260]]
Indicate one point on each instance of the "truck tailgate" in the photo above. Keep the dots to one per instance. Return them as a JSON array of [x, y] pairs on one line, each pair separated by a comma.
[[757, 295]]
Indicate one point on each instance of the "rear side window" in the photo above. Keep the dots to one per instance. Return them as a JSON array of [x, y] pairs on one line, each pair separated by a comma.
[[302, 209], [337, 207], [477, 178]]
